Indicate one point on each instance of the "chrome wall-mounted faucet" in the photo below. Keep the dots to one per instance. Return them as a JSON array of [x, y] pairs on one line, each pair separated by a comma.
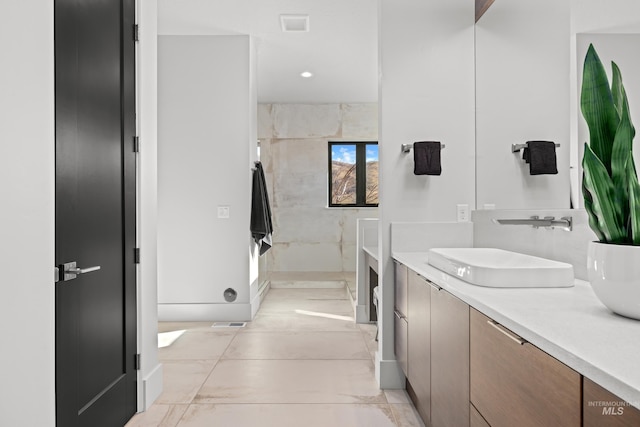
[[566, 222]]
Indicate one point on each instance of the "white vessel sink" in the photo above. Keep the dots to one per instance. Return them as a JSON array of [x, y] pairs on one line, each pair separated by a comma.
[[497, 268]]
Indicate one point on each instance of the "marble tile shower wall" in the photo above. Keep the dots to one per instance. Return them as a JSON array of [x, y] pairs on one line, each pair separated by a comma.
[[308, 236]]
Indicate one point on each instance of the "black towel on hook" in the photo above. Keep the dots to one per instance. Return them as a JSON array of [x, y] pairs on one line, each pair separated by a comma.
[[541, 156], [426, 158], [261, 225]]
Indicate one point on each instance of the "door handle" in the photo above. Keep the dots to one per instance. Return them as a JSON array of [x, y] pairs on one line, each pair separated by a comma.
[[83, 270], [70, 271]]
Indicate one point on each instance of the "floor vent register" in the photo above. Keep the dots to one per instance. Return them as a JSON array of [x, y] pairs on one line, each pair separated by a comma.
[[229, 325]]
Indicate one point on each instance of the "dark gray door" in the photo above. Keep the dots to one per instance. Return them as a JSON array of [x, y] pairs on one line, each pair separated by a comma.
[[95, 212]]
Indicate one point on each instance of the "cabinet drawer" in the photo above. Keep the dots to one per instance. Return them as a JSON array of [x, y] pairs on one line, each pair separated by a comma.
[[400, 281], [602, 408], [513, 383], [400, 326]]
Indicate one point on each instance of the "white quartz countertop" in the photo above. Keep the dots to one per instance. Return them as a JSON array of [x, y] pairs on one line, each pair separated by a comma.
[[371, 250], [570, 324]]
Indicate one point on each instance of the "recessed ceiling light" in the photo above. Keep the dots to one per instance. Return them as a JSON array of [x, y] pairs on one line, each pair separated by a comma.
[[294, 23], [306, 74]]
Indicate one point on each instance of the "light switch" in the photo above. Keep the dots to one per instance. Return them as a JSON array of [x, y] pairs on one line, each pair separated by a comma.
[[223, 211]]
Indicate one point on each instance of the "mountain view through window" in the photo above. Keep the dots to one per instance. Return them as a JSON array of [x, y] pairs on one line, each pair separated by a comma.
[[353, 174]]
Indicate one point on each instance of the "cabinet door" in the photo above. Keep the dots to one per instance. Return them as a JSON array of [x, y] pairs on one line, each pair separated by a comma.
[[449, 360], [400, 275], [602, 408], [476, 419], [419, 354], [400, 345], [513, 383]]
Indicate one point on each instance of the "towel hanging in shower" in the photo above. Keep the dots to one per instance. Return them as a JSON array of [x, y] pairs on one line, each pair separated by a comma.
[[261, 225]]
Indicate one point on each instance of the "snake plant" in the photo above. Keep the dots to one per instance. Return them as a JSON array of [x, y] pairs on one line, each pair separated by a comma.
[[610, 183]]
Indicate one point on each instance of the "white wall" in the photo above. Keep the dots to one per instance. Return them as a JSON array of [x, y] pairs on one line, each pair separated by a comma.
[[27, 214], [308, 236], [427, 93], [614, 17], [150, 381], [522, 94], [204, 161], [256, 274]]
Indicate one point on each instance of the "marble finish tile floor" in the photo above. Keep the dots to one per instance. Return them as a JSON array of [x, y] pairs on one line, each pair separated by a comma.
[[303, 361]]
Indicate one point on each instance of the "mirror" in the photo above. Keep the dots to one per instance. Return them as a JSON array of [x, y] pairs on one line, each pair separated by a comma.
[[529, 58], [522, 94]]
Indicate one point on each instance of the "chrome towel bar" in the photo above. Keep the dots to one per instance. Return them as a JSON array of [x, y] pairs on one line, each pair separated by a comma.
[[406, 148], [517, 147]]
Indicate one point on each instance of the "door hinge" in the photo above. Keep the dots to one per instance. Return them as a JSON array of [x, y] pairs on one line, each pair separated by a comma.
[[136, 362], [136, 255], [136, 144], [136, 33]]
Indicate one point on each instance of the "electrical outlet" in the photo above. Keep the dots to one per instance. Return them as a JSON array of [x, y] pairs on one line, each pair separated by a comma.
[[223, 212], [463, 213]]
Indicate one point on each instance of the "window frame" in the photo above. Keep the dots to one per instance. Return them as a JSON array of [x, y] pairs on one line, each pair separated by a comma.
[[361, 174]]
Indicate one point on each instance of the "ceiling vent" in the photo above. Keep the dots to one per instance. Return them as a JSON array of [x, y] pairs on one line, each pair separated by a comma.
[[294, 23]]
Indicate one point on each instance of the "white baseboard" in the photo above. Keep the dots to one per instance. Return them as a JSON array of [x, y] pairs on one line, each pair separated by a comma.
[[308, 284], [257, 300], [361, 314], [204, 312], [389, 374], [152, 386]]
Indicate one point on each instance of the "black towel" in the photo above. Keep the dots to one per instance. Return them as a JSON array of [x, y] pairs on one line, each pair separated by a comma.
[[261, 226], [541, 156], [426, 158]]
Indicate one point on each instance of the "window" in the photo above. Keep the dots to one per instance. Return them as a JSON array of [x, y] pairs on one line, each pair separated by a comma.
[[353, 174]]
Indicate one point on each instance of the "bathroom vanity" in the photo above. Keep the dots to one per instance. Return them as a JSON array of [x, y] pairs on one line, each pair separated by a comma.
[[478, 356]]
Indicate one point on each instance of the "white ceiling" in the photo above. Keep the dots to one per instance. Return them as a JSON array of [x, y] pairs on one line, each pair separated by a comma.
[[341, 48]]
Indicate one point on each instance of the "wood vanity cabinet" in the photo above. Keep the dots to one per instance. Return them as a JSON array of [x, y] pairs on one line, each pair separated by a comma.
[[419, 342], [449, 360], [438, 349], [602, 408], [400, 321], [401, 271], [513, 383], [476, 419]]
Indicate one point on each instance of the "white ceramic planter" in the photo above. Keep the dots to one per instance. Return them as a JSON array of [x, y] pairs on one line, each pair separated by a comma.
[[614, 273]]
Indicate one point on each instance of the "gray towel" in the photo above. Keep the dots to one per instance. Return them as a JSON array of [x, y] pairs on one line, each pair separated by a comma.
[[426, 158], [541, 156], [261, 226]]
